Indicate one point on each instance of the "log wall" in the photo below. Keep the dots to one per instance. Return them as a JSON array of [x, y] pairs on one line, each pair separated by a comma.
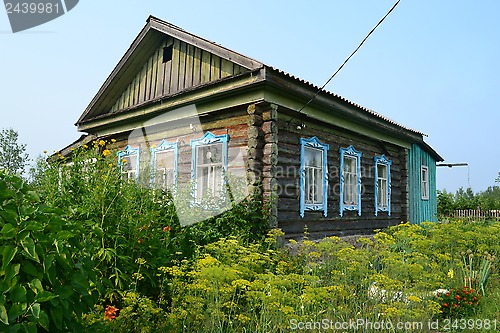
[[288, 179]]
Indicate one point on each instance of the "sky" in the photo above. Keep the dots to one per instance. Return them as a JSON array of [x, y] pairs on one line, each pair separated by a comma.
[[432, 65]]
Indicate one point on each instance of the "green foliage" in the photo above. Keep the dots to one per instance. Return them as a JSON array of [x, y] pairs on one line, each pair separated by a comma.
[[220, 275], [445, 204], [459, 302], [131, 230], [13, 154], [139, 314], [46, 275], [467, 199]]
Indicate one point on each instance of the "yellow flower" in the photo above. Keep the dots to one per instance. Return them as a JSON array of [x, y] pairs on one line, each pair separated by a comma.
[[85, 146], [110, 165], [102, 143], [106, 153], [413, 298], [451, 273], [113, 140], [124, 160]]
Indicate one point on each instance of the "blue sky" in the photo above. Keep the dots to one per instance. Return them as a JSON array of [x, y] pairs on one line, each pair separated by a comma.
[[432, 65]]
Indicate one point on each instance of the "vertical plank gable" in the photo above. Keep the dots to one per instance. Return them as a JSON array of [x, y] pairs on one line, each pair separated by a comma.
[[189, 67]]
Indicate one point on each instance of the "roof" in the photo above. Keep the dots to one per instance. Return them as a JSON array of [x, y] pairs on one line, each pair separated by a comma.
[[151, 37], [139, 51]]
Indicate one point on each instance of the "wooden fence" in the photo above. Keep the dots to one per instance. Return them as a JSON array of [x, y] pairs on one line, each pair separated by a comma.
[[476, 214]]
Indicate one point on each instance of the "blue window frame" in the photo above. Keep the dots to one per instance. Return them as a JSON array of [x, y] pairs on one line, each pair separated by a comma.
[[382, 185], [164, 165], [350, 180], [209, 165], [129, 162], [313, 175]]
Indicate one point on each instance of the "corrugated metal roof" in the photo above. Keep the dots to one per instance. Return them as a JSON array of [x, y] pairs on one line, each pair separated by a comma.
[[376, 114]]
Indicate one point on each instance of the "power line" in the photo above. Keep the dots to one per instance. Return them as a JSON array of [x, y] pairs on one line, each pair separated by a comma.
[[352, 54]]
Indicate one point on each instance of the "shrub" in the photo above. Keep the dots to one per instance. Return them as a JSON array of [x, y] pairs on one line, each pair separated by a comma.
[[47, 277], [459, 302]]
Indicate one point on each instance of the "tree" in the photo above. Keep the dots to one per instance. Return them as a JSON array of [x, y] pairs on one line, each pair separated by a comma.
[[446, 203], [13, 156]]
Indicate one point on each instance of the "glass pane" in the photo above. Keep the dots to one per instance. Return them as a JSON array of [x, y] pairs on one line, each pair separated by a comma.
[[164, 159], [164, 169], [313, 157], [350, 189], [318, 185], [164, 178], [129, 163], [209, 180], [382, 171], [382, 193], [201, 180], [210, 154], [349, 164], [308, 182], [314, 186]]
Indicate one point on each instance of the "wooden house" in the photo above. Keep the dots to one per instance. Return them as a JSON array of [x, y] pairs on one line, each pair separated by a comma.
[[200, 111]]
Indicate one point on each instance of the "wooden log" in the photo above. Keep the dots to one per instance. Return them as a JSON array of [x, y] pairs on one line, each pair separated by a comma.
[[254, 120]]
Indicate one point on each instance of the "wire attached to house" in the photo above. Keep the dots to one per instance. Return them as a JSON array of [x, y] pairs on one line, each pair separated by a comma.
[[352, 54]]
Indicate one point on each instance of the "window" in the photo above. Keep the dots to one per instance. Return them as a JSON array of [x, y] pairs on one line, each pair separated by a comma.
[[167, 53], [382, 185], [164, 165], [350, 180], [424, 178], [128, 160], [209, 165], [313, 175]]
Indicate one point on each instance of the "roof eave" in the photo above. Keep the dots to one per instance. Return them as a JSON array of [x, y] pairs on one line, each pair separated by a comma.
[[426, 147], [306, 91]]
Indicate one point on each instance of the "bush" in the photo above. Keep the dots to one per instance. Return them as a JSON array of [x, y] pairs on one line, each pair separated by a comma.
[[47, 274]]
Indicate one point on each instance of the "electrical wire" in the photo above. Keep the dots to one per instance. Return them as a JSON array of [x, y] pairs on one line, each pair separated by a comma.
[[350, 56]]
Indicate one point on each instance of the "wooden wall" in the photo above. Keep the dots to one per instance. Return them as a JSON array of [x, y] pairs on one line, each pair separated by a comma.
[[317, 225], [189, 67], [421, 210], [232, 122]]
